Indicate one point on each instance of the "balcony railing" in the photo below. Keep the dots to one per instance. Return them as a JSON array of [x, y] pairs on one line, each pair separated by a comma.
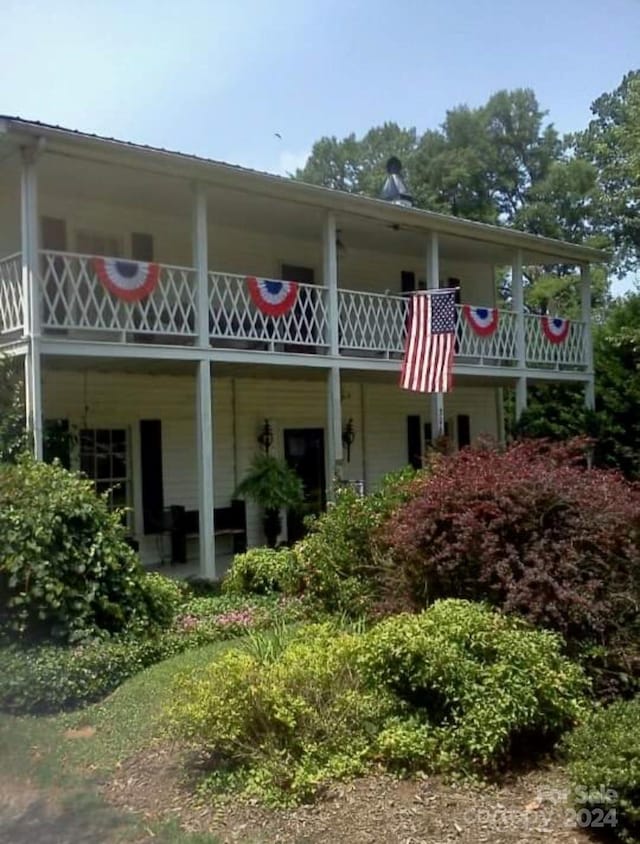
[[75, 305], [11, 313], [234, 317]]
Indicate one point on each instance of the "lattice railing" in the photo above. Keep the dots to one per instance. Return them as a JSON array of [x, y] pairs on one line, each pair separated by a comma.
[[498, 348], [371, 321], [541, 352], [234, 316], [74, 298], [11, 313]]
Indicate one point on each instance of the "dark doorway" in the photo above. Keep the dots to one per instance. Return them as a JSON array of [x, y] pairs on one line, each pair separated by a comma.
[[304, 452]]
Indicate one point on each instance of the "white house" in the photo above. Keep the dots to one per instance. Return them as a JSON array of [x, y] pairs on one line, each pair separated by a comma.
[[169, 394]]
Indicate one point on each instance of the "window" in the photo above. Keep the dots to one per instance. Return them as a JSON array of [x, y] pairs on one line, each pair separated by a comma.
[[104, 459]]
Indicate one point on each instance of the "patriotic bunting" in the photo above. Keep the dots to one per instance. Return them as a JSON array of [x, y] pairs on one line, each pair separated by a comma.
[[428, 355], [484, 321], [128, 280], [555, 329], [272, 297]]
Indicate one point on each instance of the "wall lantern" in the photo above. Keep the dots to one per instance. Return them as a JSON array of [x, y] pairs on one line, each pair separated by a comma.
[[348, 436], [265, 437]]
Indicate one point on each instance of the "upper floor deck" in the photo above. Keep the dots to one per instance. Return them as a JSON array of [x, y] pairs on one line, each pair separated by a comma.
[[75, 307]]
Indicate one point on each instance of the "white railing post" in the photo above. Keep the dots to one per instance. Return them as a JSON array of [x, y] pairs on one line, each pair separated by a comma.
[[204, 415], [31, 296], [521, 351], [330, 274], [433, 282], [585, 302]]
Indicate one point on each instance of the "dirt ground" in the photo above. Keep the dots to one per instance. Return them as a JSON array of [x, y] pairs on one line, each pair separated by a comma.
[[377, 809]]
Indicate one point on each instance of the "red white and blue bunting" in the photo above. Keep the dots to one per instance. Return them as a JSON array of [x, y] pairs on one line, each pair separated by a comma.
[[484, 321], [128, 280], [272, 297], [555, 329]]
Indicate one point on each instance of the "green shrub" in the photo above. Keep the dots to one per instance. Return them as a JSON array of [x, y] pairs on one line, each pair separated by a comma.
[[604, 766], [263, 570], [66, 571], [283, 726], [475, 683], [164, 597], [340, 558]]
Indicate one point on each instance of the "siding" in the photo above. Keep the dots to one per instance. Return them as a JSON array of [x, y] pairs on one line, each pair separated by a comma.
[[379, 411]]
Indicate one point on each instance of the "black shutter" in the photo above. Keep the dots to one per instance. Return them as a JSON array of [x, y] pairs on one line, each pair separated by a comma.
[[464, 430], [151, 460], [407, 281], [414, 443], [142, 246], [56, 442]]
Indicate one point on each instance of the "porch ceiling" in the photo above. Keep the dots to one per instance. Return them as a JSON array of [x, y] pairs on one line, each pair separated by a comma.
[[79, 179]]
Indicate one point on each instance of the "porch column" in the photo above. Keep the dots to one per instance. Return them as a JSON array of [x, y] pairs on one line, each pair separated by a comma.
[[521, 351], [204, 428], [204, 416], [200, 240], [433, 282], [31, 297], [330, 279], [334, 430], [585, 299]]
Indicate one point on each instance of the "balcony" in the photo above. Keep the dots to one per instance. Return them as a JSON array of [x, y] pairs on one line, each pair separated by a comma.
[[75, 306]]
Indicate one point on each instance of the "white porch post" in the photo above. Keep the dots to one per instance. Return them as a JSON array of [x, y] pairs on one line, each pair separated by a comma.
[[433, 282], [204, 415], [521, 351], [585, 299], [330, 278], [334, 408], [31, 297], [334, 430]]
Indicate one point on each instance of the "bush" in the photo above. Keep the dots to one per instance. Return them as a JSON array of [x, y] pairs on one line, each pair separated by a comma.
[[164, 597], [283, 727], [340, 557], [260, 571], [49, 678], [475, 684], [528, 529], [604, 766], [454, 689], [66, 571]]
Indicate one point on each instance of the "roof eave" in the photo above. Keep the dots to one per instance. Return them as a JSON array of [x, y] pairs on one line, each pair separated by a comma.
[[190, 166]]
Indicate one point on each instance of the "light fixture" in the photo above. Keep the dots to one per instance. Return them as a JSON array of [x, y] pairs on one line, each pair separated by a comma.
[[265, 437], [348, 436]]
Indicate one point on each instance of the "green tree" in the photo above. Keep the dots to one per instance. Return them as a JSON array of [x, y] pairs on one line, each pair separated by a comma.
[[611, 144]]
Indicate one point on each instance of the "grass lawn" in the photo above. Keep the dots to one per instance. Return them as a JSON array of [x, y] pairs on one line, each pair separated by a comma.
[[64, 757]]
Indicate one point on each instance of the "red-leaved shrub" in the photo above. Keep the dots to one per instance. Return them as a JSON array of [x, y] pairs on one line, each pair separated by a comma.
[[528, 528]]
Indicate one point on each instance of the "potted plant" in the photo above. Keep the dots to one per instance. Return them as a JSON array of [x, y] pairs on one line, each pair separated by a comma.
[[273, 485]]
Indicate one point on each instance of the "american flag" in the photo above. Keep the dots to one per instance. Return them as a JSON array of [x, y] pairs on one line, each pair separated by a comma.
[[428, 353]]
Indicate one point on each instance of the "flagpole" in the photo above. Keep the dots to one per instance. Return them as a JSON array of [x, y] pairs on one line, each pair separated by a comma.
[[433, 284]]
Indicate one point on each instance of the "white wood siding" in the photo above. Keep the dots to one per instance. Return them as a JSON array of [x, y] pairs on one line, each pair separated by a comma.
[[379, 412]]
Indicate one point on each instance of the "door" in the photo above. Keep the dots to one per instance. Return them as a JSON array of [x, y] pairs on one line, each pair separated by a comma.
[[304, 452]]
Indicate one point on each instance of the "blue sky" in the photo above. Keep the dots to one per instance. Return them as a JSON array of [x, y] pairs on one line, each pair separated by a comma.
[[221, 77]]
